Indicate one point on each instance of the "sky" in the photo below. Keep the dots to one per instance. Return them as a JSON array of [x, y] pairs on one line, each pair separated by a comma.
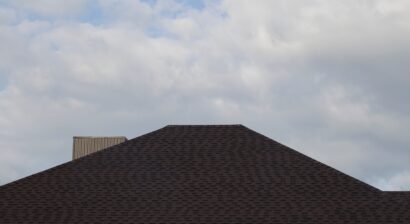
[[328, 78]]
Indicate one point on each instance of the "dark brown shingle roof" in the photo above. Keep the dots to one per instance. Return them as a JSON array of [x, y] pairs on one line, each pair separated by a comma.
[[197, 174], [402, 197]]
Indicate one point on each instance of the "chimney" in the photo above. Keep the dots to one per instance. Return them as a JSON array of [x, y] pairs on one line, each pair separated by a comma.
[[83, 146]]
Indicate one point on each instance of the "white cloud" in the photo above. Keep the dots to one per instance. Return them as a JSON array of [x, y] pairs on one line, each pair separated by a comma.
[[398, 182], [327, 78], [7, 15]]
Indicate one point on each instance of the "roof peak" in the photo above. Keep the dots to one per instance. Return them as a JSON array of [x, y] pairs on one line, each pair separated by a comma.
[[204, 125]]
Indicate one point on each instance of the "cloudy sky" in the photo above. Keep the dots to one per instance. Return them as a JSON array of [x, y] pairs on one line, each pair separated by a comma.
[[329, 78]]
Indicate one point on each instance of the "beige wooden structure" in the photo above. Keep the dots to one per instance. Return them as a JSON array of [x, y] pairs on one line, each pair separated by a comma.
[[83, 146]]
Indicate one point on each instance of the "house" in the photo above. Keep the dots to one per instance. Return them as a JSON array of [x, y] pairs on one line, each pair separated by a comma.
[[199, 174]]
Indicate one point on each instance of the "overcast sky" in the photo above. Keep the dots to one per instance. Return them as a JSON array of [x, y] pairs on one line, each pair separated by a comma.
[[329, 78]]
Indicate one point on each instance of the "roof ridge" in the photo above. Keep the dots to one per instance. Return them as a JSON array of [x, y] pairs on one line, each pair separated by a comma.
[[75, 161], [203, 125], [316, 161]]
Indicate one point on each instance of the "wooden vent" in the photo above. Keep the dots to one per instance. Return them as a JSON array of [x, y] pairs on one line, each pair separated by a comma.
[[83, 146]]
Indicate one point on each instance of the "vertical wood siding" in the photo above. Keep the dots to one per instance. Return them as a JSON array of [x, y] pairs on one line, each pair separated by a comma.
[[83, 146]]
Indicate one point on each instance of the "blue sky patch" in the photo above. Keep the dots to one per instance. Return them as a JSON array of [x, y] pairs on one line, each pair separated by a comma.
[[94, 15], [196, 4]]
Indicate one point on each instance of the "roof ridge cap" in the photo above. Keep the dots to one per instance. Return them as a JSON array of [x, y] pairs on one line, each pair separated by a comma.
[[204, 125]]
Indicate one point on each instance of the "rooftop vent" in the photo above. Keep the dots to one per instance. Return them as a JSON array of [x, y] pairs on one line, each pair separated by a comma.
[[83, 146]]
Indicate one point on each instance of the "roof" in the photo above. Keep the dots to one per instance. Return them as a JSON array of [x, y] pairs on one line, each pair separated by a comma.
[[402, 197], [197, 174]]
